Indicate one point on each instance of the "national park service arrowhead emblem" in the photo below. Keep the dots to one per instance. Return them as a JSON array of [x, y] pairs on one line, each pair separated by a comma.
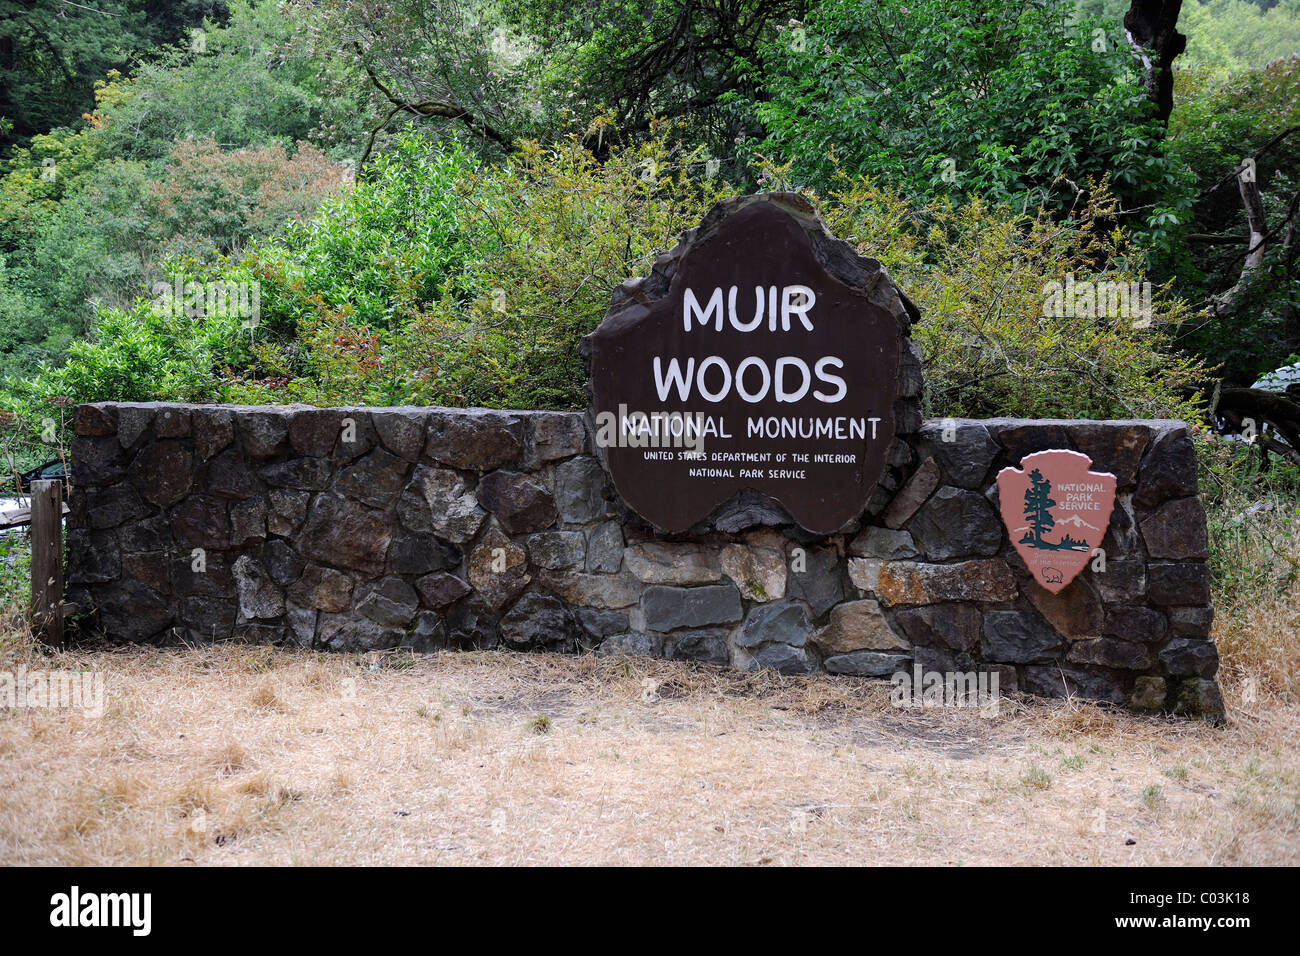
[[1056, 512]]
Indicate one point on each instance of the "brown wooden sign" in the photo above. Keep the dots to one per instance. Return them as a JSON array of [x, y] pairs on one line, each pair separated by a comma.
[[1056, 511], [761, 354]]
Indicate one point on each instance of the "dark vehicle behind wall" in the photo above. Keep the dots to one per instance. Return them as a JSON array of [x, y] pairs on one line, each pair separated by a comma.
[[51, 470]]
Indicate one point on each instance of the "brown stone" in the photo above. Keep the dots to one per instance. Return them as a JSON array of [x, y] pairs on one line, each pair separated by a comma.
[[857, 626], [909, 582], [1075, 611]]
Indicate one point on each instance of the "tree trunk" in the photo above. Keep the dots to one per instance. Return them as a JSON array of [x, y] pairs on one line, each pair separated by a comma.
[[1152, 30]]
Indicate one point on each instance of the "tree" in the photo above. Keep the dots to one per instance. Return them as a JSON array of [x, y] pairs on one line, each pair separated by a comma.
[[1038, 507], [1014, 101]]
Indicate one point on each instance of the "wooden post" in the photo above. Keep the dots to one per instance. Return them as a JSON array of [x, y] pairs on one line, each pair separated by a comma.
[[47, 561]]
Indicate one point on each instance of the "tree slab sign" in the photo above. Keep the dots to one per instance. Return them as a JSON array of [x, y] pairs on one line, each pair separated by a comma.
[[761, 356], [1056, 511]]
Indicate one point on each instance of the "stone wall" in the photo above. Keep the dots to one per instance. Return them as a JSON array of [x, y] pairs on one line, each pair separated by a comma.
[[365, 528]]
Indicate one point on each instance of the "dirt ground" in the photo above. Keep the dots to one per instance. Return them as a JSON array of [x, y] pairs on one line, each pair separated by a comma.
[[250, 755]]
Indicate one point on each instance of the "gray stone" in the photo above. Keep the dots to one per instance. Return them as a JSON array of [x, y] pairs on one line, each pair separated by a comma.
[[1075, 611], [520, 502], [554, 435], [214, 430], [599, 623], [209, 576], [857, 626], [1020, 436], [749, 509], [1191, 621], [759, 572], [1177, 530], [258, 595], [557, 550], [247, 522], [264, 435], [782, 658], [1124, 580], [820, 583], [347, 633], [356, 434], [301, 623], [783, 622], [964, 450], [313, 431], [402, 430], [389, 601], [474, 439], [323, 589], [93, 557], [1169, 471], [285, 511], [151, 569], [454, 511], [1114, 447], [671, 562], [441, 588], [1110, 652], [909, 500], [1135, 623], [472, 624], [346, 534], [97, 461], [420, 554], [955, 523], [1190, 657], [867, 663], [172, 421], [668, 608], [113, 506], [132, 422], [1091, 684], [605, 547], [201, 521], [580, 490], [284, 564], [539, 621], [374, 479], [953, 626], [429, 632], [1183, 583], [704, 646], [864, 573], [208, 620], [887, 543], [1018, 637], [305, 474], [630, 644], [610, 591], [147, 534], [131, 611], [228, 475], [168, 467]]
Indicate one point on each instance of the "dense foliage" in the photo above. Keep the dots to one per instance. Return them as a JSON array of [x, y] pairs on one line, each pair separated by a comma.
[[432, 200]]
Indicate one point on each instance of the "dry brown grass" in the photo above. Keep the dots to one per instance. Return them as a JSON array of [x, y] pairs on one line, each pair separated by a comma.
[[240, 755]]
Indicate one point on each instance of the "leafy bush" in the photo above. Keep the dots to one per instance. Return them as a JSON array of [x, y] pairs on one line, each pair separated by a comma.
[[443, 281], [1000, 99], [978, 273]]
